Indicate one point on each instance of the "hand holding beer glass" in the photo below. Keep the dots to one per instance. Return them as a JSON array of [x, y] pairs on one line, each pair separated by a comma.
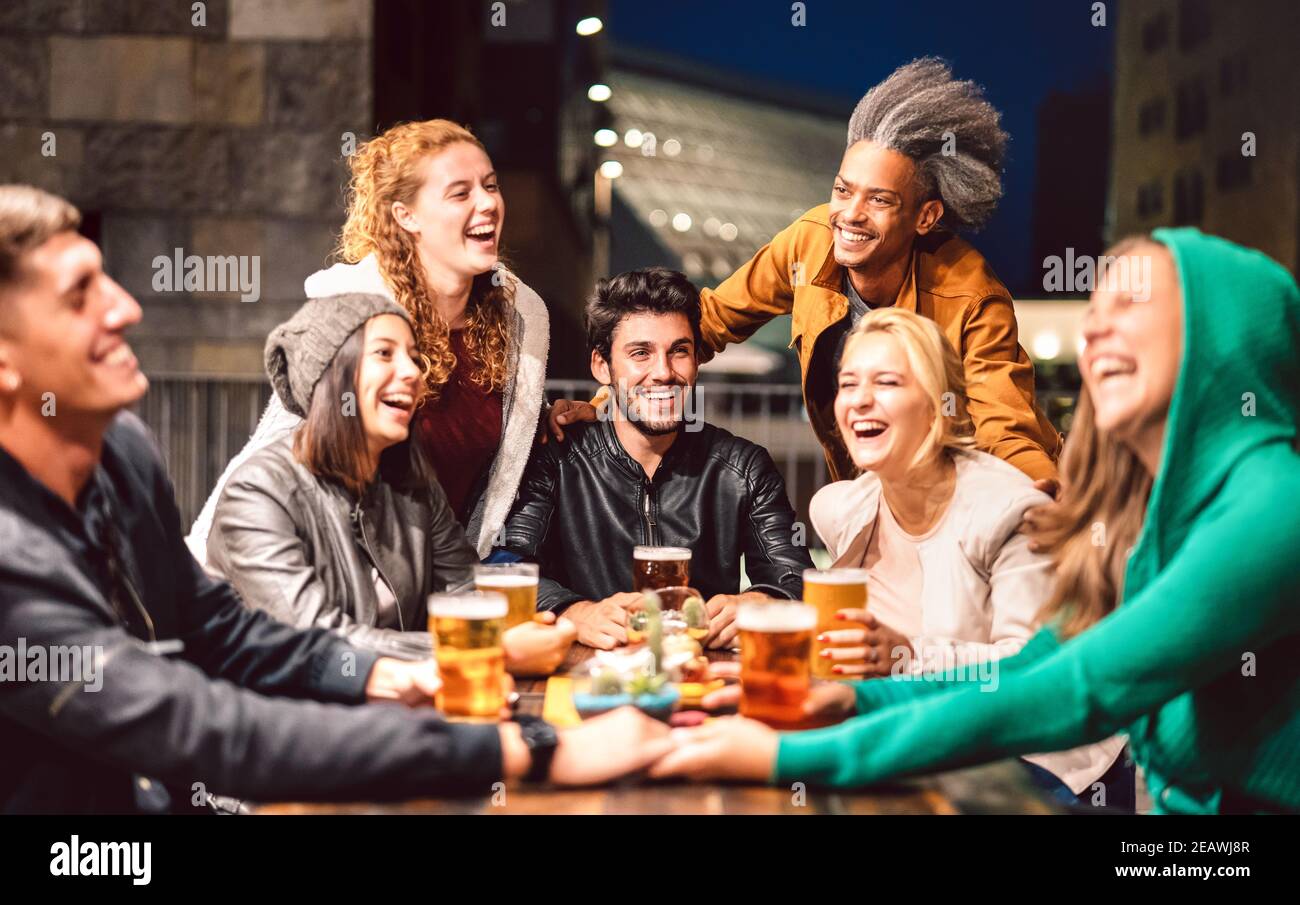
[[776, 639], [467, 629], [829, 591]]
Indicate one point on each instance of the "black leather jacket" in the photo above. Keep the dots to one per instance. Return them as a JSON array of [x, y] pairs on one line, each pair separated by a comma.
[[585, 503], [302, 550]]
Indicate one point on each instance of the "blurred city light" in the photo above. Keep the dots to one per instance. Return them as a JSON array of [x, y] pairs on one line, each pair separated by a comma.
[[1047, 345], [589, 26]]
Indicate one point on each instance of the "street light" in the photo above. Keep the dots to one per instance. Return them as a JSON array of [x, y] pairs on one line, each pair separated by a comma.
[[606, 138], [611, 169], [598, 93], [589, 26]]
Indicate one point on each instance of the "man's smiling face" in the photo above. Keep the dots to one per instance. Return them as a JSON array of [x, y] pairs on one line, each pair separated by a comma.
[[653, 366], [876, 211], [64, 330]]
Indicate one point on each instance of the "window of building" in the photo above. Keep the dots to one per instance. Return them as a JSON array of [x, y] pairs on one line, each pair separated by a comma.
[[1232, 170], [1155, 33], [1193, 23], [1232, 74], [1192, 111], [1150, 199], [1151, 116], [1189, 197]]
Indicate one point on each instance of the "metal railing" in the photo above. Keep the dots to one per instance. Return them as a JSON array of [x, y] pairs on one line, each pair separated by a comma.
[[202, 422]]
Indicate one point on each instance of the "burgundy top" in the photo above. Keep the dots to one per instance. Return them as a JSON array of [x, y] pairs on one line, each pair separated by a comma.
[[460, 431]]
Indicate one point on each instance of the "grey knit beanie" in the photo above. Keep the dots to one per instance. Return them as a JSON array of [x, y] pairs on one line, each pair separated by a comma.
[[299, 350]]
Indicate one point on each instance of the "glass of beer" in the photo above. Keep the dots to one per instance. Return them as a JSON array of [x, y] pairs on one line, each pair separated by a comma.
[[466, 629], [660, 567], [776, 640], [831, 590], [517, 582]]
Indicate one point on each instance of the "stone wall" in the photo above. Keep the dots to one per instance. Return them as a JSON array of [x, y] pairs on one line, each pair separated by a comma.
[[214, 127]]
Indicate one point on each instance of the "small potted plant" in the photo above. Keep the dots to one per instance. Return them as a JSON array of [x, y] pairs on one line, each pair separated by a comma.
[[637, 677]]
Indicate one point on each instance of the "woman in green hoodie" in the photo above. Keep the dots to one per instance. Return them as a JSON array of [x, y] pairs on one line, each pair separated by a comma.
[[1190, 643]]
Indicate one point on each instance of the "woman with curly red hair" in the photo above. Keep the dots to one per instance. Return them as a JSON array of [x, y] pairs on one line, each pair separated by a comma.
[[424, 225]]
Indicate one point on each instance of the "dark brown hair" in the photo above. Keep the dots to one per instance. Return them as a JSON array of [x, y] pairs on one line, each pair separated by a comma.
[[655, 290], [331, 443]]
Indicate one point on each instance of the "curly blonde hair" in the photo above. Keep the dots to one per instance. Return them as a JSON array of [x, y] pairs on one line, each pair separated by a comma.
[[385, 170]]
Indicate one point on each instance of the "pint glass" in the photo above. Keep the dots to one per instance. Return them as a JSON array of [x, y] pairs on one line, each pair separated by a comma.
[[517, 582], [829, 590], [467, 630], [775, 648], [660, 567]]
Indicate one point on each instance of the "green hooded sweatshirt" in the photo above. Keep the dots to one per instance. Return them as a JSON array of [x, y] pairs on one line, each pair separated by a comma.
[[1200, 663]]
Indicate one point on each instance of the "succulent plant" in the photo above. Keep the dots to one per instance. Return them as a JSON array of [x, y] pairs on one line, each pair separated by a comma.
[[696, 615], [654, 631], [607, 682]]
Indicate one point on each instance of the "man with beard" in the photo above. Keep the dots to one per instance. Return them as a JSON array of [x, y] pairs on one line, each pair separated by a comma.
[[923, 163], [648, 474]]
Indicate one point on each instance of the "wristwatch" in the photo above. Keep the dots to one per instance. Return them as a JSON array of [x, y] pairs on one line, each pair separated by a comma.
[[542, 740]]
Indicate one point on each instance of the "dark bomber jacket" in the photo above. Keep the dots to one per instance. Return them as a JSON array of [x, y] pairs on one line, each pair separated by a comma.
[[585, 503], [221, 711]]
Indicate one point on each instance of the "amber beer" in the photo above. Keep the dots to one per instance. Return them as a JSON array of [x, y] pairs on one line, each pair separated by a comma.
[[830, 590], [517, 582], [660, 567], [775, 645], [467, 629]]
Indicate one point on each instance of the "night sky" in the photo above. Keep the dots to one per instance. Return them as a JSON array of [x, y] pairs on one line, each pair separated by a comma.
[[1018, 50]]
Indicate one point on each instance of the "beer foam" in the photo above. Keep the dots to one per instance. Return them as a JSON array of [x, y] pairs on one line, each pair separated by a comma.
[[835, 576], [488, 579], [776, 617], [468, 606], [662, 554]]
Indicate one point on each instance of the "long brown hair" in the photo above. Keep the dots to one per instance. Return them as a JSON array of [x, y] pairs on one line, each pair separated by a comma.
[[386, 169], [1094, 524], [1092, 527]]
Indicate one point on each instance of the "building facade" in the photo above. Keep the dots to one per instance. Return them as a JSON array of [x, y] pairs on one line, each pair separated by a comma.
[[1206, 122]]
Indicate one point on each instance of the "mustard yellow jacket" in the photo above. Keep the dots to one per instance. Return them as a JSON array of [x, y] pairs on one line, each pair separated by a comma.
[[950, 283]]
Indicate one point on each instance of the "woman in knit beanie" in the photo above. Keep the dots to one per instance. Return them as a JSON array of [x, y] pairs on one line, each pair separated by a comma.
[[342, 524]]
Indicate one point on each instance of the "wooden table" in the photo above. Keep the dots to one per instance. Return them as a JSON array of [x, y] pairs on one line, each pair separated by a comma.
[[1003, 787]]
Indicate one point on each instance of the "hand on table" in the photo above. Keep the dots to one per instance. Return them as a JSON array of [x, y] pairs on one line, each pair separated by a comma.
[[538, 648], [827, 701], [603, 624], [883, 649], [413, 683], [728, 748], [721, 609], [609, 746]]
